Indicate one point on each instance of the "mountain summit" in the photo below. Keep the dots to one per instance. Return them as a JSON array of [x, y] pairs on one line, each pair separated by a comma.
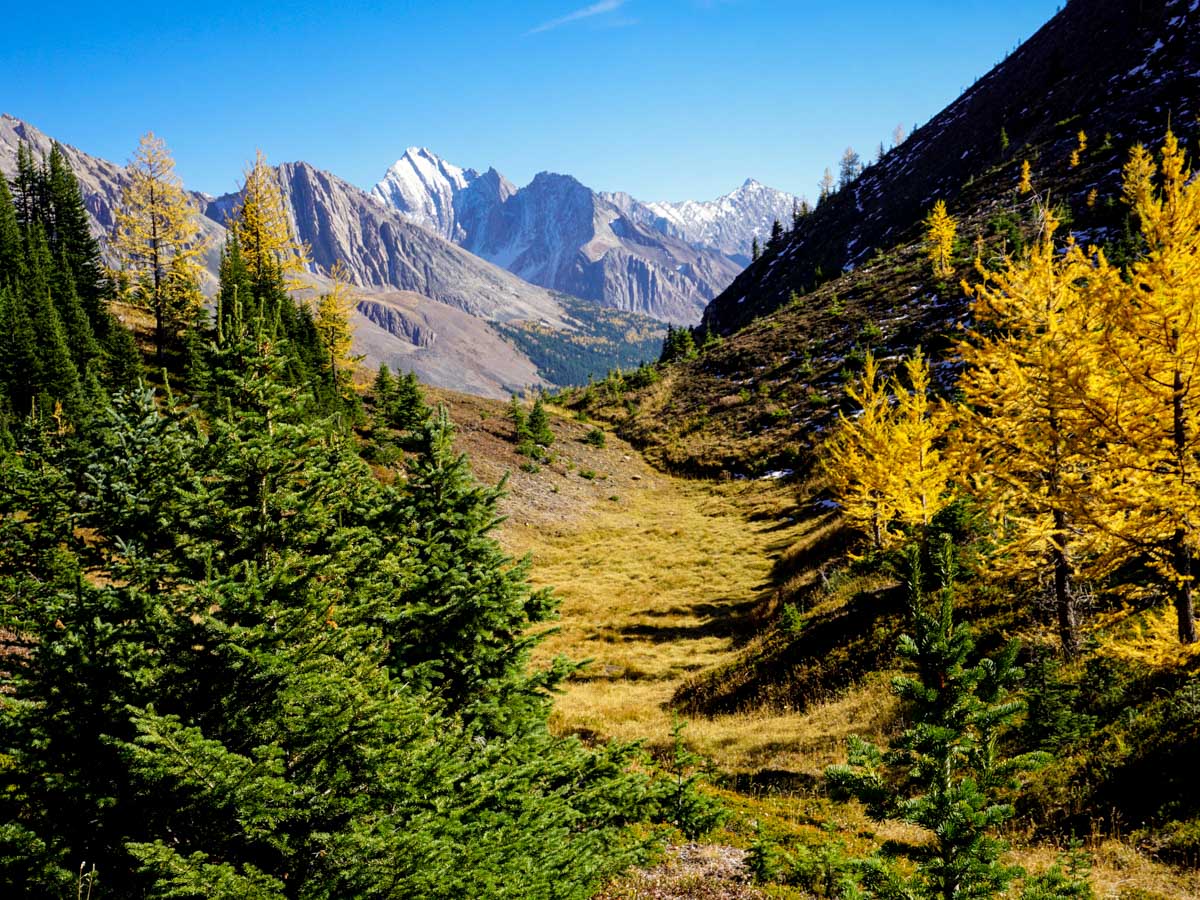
[[664, 260]]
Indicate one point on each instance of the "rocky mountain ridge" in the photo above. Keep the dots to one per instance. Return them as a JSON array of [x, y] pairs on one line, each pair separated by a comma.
[[663, 260]]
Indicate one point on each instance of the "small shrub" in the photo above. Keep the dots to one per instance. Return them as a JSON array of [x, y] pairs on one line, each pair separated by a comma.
[[595, 438], [589, 474]]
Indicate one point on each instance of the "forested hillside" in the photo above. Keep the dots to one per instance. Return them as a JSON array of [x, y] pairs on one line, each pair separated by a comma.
[[235, 659]]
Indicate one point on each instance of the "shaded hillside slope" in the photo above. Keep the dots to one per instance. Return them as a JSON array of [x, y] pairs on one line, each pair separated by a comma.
[[1119, 68]]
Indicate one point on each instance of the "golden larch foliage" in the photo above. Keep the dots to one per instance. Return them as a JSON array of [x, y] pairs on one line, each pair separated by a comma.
[[156, 239], [1080, 149], [1025, 185], [263, 228], [940, 231], [883, 464], [332, 321], [1022, 443], [1145, 404]]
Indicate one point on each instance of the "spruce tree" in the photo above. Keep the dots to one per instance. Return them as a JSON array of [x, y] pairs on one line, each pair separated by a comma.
[[72, 240], [539, 424], [946, 773]]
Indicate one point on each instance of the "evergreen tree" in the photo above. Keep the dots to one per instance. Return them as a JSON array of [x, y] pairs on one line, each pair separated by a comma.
[[776, 240], [231, 703], [539, 424], [409, 409], [520, 422], [73, 243], [384, 386], [946, 773], [679, 344], [11, 252], [849, 168], [755, 252]]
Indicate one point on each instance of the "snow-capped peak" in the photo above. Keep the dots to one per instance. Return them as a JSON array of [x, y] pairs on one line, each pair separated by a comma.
[[423, 186]]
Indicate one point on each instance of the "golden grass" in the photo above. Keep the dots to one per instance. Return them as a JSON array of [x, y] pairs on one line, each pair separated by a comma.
[[665, 586], [669, 583]]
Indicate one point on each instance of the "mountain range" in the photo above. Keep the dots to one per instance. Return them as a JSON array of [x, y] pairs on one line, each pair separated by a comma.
[[664, 260], [476, 284]]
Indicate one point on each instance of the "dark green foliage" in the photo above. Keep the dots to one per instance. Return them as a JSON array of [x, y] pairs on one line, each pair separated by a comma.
[[825, 870], [539, 424], [685, 804], [1055, 719], [678, 345], [60, 345], [1067, 879], [946, 773], [603, 338], [776, 240], [264, 674], [596, 437], [399, 403]]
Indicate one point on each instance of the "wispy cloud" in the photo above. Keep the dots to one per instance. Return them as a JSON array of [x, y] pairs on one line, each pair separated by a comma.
[[587, 12]]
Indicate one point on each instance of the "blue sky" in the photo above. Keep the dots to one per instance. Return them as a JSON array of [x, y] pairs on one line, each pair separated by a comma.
[[665, 99]]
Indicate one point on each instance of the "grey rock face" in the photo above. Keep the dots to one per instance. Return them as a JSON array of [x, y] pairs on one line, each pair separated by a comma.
[[382, 249], [559, 234]]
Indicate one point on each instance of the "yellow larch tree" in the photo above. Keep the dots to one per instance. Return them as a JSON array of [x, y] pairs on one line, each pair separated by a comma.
[[331, 318], [940, 231], [1145, 402], [263, 229], [1080, 148], [156, 240], [1023, 445], [883, 464], [1025, 185]]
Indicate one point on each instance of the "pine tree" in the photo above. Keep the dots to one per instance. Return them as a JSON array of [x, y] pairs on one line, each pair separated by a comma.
[[940, 231], [884, 465], [798, 213], [776, 240], [1025, 444], [755, 252], [72, 241], [408, 410], [946, 773], [384, 387], [539, 424], [11, 244], [156, 236], [229, 703]]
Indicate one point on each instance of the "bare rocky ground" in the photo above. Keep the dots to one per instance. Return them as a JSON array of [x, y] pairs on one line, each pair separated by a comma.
[[689, 872]]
